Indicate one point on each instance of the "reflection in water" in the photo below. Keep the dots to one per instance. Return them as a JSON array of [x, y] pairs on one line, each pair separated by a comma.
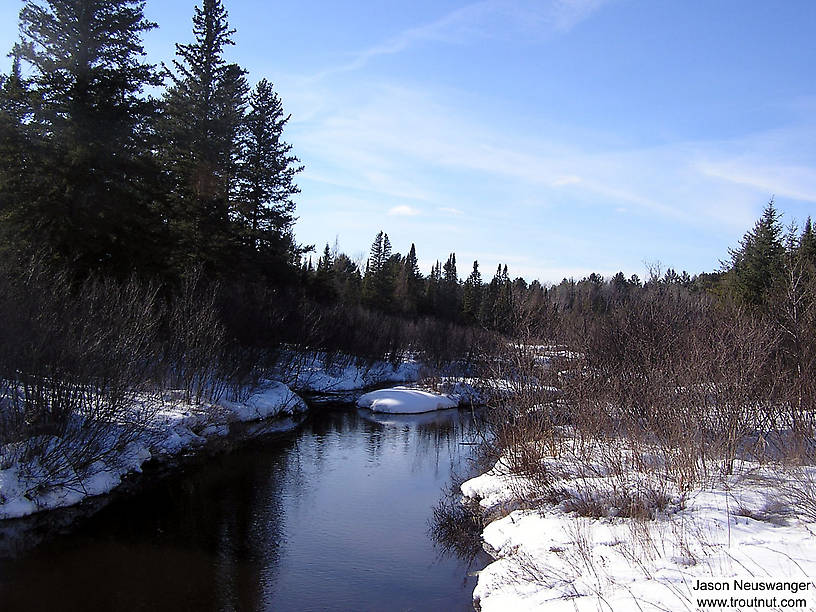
[[333, 517]]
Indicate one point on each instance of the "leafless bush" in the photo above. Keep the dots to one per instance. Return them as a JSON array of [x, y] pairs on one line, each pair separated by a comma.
[[74, 360], [800, 493], [194, 352], [456, 527]]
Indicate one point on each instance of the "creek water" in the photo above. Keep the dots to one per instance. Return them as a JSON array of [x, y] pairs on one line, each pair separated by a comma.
[[333, 516]]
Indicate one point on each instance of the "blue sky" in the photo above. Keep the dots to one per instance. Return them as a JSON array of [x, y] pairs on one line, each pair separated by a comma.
[[557, 136]]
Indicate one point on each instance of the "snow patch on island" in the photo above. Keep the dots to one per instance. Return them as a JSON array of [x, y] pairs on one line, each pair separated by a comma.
[[404, 400]]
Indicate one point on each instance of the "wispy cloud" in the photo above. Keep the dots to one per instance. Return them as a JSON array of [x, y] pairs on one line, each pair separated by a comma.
[[797, 182], [397, 141], [476, 21]]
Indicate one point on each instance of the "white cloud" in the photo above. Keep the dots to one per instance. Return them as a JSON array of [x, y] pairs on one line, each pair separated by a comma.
[[403, 211], [451, 211], [561, 181]]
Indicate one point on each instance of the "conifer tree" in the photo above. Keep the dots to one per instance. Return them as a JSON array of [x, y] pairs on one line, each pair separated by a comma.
[[267, 180], [203, 113], [409, 283], [324, 276], [21, 177], [378, 284], [503, 306], [807, 243], [88, 122], [757, 264], [432, 290], [347, 279], [472, 295]]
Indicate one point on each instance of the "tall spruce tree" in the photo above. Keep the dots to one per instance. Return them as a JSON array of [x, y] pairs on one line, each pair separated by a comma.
[[408, 290], [472, 295], [378, 284], [203, 114], [756, 266], [87, 122], [449, 304], [807, 243], [267, 181], [21, 177]]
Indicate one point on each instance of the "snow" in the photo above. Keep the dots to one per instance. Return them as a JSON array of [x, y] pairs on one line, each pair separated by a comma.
[[404, 400], [552, 559], [315, 373], [173, 427], [273, 400], [481, 391]]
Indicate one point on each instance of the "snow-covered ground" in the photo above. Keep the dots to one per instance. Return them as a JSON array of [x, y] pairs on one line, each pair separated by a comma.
[[173, 427], [748, 525]]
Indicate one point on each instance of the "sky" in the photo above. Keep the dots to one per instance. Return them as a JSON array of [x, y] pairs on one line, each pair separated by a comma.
[[559, 137]]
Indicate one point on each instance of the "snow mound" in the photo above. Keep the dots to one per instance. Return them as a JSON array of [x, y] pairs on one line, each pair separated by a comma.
[[402, 400], [273, 399]]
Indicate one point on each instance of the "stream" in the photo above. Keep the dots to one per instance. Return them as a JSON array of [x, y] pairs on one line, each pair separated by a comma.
[[332, 516]]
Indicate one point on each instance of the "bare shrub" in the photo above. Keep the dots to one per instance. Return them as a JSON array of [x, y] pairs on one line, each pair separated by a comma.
[[74, 360], [799, 493], [457, 525]]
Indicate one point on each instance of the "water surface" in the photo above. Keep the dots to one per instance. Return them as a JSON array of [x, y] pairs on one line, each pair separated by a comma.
[[331, 517]]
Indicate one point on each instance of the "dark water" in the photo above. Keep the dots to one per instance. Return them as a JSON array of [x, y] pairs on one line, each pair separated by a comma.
[[332, 517]]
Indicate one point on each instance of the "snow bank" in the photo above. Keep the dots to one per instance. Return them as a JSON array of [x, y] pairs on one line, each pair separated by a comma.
[[403, 400], [311, 373], [173, 427], [554, 560], [272, 400]]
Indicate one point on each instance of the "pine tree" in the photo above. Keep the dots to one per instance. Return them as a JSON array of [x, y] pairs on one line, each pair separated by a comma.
[[378, 284], [20, 167], [347, 279], [503, 306], [409, 283], [88, 123], [757, 264], [807, 243], [267, 180], [472, 295], [432, 290], [324, 276], [203, 114]]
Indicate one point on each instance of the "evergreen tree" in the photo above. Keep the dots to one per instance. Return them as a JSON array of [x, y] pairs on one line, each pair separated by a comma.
[[203, 114], [347, 279], [807, 243], [21, 170], [88, 120], [757, 264], [409, 283], [432, 290], [472, 295], [324, 276], [267, 180], [503, 306], [378, 284]]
